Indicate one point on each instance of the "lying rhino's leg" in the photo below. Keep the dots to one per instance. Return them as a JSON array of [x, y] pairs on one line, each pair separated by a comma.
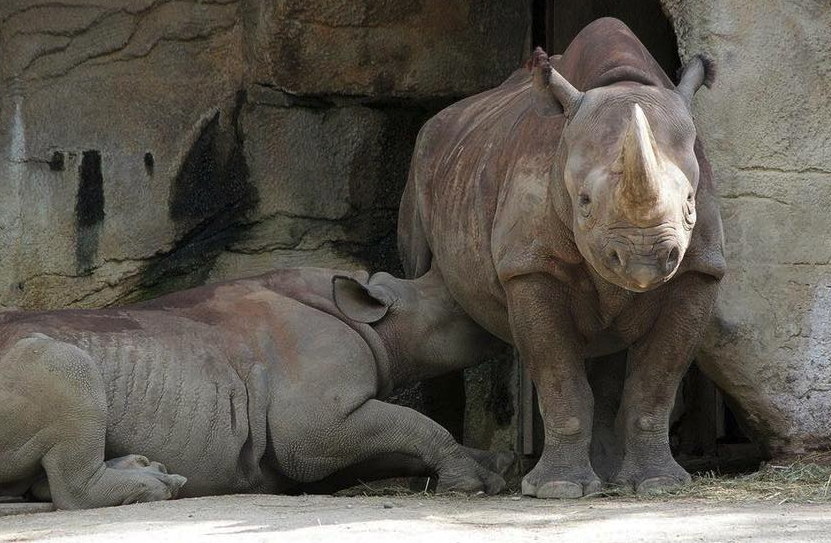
[[496, 461], [134, 461], [395, 465], [40, 488], [549, 347], [377, 429], [64, 397], [656, 366]]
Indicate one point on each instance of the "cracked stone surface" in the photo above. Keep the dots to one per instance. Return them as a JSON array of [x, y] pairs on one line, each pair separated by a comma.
[[153, 145], [391, 48], [116, 80], [767, 124]]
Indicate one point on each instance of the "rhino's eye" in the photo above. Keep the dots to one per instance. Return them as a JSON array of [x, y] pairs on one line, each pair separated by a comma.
[[690, 197], [585, 207]]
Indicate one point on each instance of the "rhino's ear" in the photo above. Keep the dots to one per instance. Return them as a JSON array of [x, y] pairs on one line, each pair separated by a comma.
[[701, 70], [358, 301], [552, 94]]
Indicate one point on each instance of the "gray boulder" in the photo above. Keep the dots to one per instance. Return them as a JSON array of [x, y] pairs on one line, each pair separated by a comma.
[[767, 124]]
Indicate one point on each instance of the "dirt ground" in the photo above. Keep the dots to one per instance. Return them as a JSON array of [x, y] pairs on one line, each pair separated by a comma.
[[424, 517]]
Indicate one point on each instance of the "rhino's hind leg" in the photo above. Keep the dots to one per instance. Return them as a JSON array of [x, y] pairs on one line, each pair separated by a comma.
[[39, 490], [91, 483], [395, 465], [67, 425], [496, 461], [376, 429]]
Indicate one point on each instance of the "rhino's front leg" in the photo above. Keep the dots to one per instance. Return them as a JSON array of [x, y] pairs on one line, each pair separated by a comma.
[[550, 348], [656, 366], [330, 442]]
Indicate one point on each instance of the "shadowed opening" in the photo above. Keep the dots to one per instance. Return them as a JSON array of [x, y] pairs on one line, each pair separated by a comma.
[[565, 18]]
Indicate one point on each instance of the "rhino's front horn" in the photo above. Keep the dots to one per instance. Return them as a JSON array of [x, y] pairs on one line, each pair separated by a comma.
[[640, 185]]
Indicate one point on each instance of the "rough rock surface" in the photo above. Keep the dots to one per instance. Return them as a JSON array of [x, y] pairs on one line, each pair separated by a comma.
[[99, 104], [767, 124], [390, 48], [152, 145]]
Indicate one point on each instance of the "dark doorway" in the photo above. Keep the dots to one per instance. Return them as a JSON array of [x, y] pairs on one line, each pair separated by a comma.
[[565, 18]]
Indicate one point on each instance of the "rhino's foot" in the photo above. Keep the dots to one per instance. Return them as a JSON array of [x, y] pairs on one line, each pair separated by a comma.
[[470, 478], [496, 461], [151, 484], [155, 483], [135, 461], [655, 477], [142, 467], [547, 482]]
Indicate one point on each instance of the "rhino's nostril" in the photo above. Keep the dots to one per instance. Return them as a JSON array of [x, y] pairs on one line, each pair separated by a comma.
[[614, 259], [672, 260]]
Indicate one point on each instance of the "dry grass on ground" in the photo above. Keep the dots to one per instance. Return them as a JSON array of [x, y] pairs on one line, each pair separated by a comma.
[[800, 480]]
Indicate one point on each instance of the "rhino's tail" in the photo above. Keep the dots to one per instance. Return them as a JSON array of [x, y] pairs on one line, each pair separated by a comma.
[[413, 248]]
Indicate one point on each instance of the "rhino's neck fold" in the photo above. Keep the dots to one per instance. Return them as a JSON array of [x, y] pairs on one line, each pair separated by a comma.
[[381, 354]]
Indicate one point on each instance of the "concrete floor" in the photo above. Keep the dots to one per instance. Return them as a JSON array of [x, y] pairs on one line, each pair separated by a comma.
[[425, 518]]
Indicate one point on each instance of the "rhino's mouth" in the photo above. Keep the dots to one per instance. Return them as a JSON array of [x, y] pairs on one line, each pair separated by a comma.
[[635, 284], [635, 271]]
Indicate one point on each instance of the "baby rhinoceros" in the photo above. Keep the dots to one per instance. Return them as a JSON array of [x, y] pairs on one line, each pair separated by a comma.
[[254, 385]]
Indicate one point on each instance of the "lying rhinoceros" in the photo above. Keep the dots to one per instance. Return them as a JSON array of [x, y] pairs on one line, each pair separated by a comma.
[[571, 212], [245, 386]]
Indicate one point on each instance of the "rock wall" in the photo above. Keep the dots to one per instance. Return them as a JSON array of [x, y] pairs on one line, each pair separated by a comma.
[[767, 125], [152, 145]]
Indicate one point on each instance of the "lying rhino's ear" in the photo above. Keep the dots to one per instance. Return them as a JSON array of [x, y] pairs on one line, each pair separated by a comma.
[[701, 70], [552, 93], [358, 301]]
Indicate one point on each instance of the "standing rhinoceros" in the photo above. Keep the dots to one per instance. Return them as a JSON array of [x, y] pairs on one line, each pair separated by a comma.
[[573, 212], [246, 386]]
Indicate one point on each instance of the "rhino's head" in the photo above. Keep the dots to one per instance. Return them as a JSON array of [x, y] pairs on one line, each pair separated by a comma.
[[629, 167]]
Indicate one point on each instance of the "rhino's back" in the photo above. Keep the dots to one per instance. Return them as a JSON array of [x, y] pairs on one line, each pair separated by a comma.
[[174, 388], [493, 148], [605, 52], [191, 379], [464, 158], [468, 152]]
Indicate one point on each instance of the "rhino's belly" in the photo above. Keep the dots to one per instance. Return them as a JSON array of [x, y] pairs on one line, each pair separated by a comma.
[[182, 405], [477, 290], [460, 243]]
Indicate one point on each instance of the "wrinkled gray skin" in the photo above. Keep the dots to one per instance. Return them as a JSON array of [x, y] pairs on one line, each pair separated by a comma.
[[253, 385], [572, 213]]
